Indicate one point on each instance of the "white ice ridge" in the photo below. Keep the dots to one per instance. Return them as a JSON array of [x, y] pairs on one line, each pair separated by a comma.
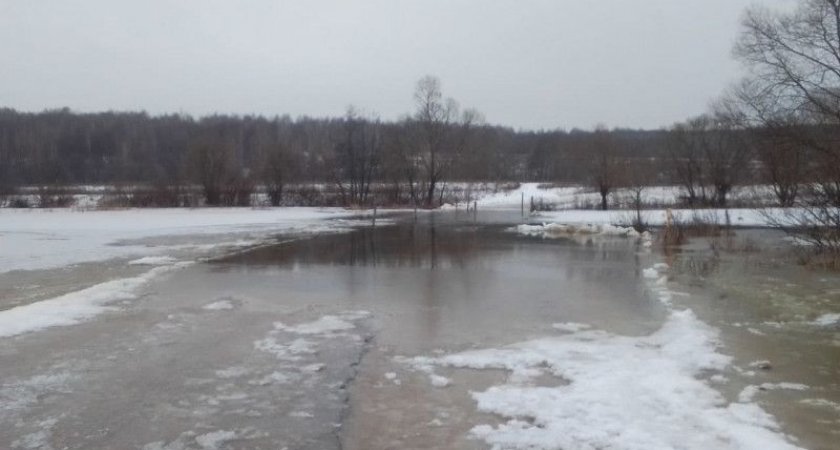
[[827, 320], [625, 392], [75, 307], [556, 230], [325, 325], [617, 392]]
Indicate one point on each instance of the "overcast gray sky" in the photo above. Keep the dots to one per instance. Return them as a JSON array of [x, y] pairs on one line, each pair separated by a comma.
[[529, 64]]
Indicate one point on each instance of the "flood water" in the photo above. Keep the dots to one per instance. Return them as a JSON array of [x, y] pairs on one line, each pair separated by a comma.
[[441, 286], [765, 302], [222, 353]]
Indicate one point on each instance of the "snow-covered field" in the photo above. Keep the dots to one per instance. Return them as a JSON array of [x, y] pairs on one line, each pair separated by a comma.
[[658, 217], [580, 197], [32, 239], [164, 239]]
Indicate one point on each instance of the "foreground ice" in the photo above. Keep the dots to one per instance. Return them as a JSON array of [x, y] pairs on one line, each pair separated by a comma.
[[590, 389], [617, 392], [78, 306]]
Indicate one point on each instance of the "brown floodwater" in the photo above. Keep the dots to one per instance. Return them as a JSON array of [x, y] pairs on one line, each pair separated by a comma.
[[165, 371], [753, 287]]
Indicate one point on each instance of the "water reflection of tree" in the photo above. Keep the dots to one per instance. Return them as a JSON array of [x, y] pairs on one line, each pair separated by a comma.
[[412, 246]]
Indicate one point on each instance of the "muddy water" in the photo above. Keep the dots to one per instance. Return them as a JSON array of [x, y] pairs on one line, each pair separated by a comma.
[[166, 372], [443, 287], [765, 303]]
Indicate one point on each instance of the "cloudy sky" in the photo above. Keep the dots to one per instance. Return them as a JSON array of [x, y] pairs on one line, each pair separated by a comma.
[[528, 64]]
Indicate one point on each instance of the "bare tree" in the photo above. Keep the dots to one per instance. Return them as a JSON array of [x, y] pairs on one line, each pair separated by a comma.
[[794, 61], [442, 129], [276, 169], [358, 156], [710, 152], [777, 138], [212, 165], [605, 164], [686, 157]]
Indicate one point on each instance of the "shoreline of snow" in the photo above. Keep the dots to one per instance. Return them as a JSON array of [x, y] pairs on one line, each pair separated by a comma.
[[738, 217], [48, 239], [78, 306], [636, 392]]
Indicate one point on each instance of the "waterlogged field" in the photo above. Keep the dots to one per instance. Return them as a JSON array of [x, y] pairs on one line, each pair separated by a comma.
[[451, 330]]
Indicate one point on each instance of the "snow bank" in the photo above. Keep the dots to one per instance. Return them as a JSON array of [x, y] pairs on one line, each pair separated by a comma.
[[577, 197], [610, 391], [75, 307], [657, 217], [617, 392], [220, 305], [42, 239], [152, 261], [827, 320], [557, 230]]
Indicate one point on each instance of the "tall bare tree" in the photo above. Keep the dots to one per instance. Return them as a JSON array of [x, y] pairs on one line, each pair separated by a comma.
[[794, 61], [442, 132], [605, 164], [358, 157]]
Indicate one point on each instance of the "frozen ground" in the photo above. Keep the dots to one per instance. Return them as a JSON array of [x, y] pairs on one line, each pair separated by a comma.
[[60, 267], [581, 197], [33, 239]]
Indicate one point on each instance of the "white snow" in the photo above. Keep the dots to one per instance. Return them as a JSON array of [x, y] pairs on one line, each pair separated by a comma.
[[570, 197], [43, 239], [629, 392], [618, 392], [323, 325], [571, 327], [215, 439], [748, 393], [650, 273], [559, 230], [152, 261], [232, 372], [827, 320], [220, 305], [75, 307], [439, 380], [291, 351]]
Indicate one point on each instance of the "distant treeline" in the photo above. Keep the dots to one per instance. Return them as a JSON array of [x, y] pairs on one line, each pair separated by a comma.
[[60, 147], [229, 158]]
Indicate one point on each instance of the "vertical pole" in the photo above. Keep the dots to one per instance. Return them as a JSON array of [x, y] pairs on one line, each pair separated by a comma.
[[374, 215], [523, 204], [475, 211]]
